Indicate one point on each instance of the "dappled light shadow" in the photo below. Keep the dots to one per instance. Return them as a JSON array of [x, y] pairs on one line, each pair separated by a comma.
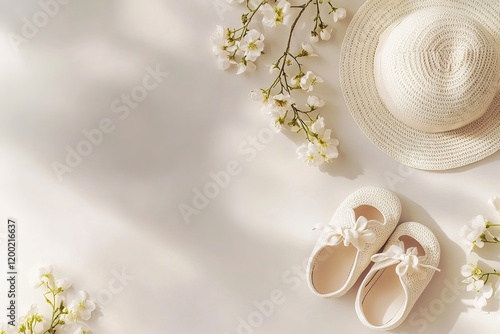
[[125, 148]]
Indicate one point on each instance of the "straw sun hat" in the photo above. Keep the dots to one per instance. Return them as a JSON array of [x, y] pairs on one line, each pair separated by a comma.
[[421, 78]]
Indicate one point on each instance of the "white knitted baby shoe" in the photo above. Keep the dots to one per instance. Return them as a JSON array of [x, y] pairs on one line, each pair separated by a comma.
[[359, 228], [398, 277]]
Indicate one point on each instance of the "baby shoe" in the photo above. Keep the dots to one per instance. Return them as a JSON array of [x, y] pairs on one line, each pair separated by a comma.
[[358, 229], [398, 276]]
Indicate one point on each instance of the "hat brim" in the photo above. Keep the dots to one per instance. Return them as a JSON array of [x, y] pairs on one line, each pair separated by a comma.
[[414, 148]]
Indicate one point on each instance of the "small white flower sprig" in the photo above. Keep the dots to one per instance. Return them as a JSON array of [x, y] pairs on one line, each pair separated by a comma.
[[481, 281], [478, 234], [64, 319], [244, 45]]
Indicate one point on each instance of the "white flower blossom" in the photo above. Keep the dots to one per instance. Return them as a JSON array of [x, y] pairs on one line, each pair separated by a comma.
[[33, 317], [42, 274], [295, 80], [273, 69], [321, 148], [325, 34], [252, 45], [307, 51], [475, 285], [278, 117], [474, 280], [259, 96], [246, 66], [315, 154], [221, 40], [223, 47], [323, 137], [483, 292], [339, 14], [473, 235], [82, 307], [223, 62], [278, 109], [62, 284], [470, 271], [309, 80], [314, 37], [318, 126], [70, 317], [311, 154], [315, 102], [7, 329], [495, 203], [282, 101], [272, 16], [329, 145]]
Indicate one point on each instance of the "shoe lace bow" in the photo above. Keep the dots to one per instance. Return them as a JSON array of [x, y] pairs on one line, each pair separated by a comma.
[[358, 235], [408, 260]]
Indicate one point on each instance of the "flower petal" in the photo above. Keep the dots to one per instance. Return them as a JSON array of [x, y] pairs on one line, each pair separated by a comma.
[[466, 270], [495, 202], [480, 301], [478, 285], [478, 222], [487, 291]]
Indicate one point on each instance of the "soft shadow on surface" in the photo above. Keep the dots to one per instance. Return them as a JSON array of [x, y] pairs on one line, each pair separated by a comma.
[[155, 139], [495, 157], [343, 167], [440, 304], [139, 172], [147, 166]]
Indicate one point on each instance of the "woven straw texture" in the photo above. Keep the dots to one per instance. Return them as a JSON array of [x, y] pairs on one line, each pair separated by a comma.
[[387, 203], [412, 147], [415, 285]]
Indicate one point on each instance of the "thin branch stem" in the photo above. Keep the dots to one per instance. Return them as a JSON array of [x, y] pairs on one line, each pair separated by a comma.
[[283, 59]]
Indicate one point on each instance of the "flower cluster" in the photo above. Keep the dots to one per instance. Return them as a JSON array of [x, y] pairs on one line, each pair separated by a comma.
[[321, 147], [242, 47], [477, 281], [242, 52], [64, 319], [478, 233], [476, 278]]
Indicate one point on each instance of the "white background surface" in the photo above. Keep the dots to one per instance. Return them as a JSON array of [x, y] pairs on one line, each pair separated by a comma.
[[119, 209]]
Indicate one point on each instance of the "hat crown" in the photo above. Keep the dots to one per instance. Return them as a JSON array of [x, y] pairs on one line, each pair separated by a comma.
[[437, 70]]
